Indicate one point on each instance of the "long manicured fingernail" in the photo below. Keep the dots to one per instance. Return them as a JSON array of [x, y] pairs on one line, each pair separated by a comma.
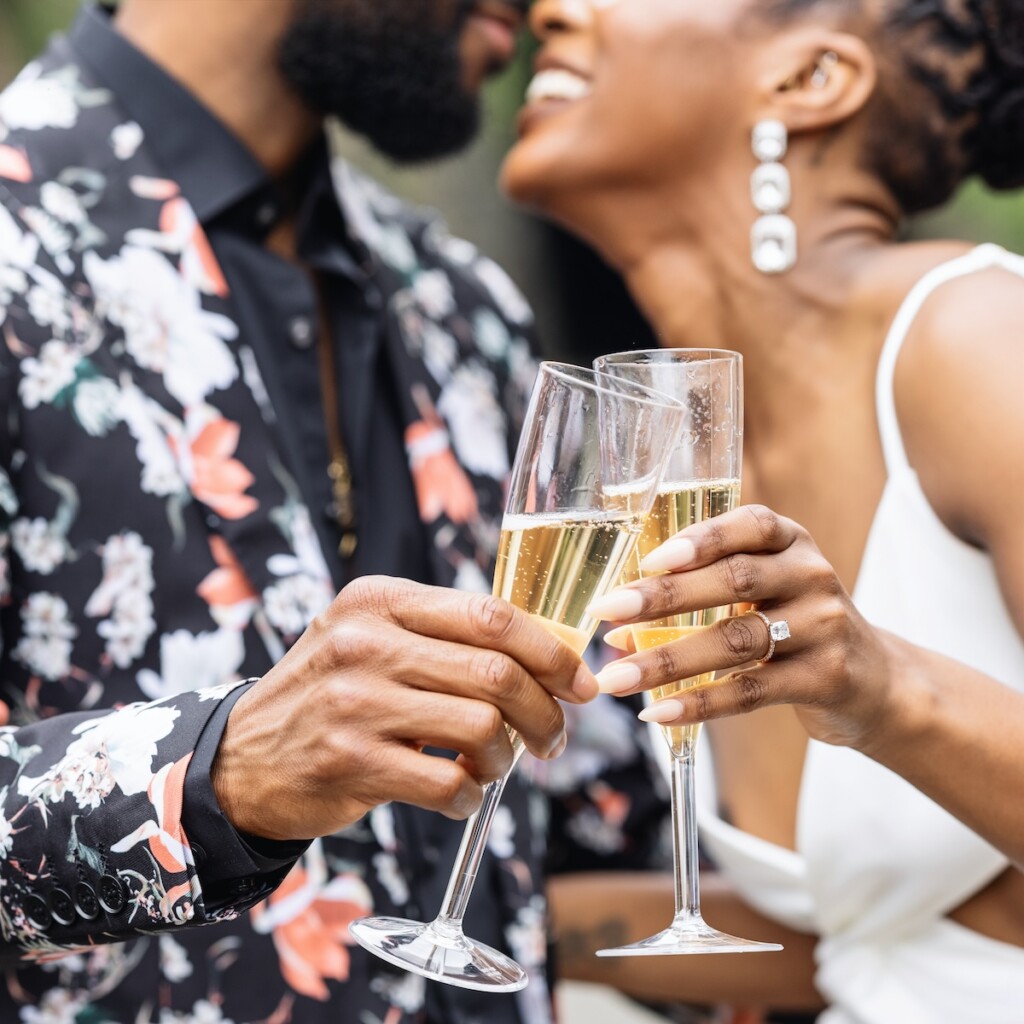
[[584, 685], [618, 677], [620, 638], [618, 605], [663, 712], [673, 555]]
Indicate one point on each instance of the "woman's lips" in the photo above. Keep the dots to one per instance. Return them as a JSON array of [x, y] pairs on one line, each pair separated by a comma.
[[551, 91]]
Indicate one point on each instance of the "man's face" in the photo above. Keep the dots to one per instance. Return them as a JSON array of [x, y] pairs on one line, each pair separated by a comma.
[[405, 74]]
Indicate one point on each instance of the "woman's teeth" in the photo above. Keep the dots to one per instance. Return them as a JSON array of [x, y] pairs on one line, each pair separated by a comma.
[[557, 85]]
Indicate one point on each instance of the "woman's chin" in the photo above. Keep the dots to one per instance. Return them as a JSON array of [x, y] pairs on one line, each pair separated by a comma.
[[531, 175]]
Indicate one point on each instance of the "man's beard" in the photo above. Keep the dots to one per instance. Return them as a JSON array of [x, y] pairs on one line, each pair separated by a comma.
[[387, 70]]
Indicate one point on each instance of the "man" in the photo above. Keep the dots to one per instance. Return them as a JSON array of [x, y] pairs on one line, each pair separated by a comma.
[[235, 376]]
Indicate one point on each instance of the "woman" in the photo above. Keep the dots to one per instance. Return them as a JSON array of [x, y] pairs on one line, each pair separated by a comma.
[[746, 166]]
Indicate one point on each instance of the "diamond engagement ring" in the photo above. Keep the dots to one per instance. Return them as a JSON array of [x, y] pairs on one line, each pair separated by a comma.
[[776, 631]]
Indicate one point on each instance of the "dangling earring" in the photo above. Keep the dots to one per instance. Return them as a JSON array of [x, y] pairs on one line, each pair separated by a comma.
[[773, 238]]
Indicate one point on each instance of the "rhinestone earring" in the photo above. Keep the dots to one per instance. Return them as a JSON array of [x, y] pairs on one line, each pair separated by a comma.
[[773, 238]]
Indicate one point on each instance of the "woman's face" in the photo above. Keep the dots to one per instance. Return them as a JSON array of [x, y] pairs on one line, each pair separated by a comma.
[[629, 93]]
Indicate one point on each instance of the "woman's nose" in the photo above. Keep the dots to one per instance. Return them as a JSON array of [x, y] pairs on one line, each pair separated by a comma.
[[551, 17]]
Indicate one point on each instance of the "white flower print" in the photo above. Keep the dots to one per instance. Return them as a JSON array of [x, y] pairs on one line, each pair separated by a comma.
[[491, 334], [506, 295], [39, 544], [470, 577], [204, 1012], [18, 251], [475, 421], [522, 366], [395, 249], [46, 376], [125, 140], [125, 597], [455, 250], [62, 202], [221, 691], [151, 425], [47, 635], [440, 350], [599, 739], [190, 662], [58, 1006], [389, 874], [292, 604], [432, 290], [5, 568], [6, 828], [8, 497], [407, 992], [33, 102], [96, 403], [48, 307], [174, 962], [118, 749], [501, 840], [165, 326]]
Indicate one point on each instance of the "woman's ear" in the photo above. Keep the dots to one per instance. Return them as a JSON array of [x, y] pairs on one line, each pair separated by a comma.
[[815, 79]]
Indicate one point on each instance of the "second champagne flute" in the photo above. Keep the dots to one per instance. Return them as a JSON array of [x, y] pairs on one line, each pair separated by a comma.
[[585, 475], [702, 480]]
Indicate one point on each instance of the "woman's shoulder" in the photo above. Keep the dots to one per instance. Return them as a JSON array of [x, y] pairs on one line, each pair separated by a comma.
[[957, 387]]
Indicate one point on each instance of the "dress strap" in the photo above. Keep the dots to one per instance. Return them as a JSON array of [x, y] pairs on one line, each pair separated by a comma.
[[980, 258]]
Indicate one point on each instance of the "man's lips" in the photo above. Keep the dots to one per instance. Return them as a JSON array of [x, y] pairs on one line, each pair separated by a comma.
[[499, 23]]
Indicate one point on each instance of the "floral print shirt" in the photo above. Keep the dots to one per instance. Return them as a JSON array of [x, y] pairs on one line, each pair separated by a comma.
[[155, 550]]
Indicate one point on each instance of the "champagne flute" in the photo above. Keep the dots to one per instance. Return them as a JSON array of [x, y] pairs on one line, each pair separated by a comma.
[[702, 480], [585, 475]]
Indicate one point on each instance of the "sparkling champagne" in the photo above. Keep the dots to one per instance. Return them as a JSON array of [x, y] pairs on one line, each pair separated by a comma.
[[676, 507], [553, 568]]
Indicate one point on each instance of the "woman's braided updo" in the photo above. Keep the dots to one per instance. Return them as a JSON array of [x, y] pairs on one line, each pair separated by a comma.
[[950, 97]]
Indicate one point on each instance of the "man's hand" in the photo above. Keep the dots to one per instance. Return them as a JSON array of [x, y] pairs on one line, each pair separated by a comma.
[[339, 725]]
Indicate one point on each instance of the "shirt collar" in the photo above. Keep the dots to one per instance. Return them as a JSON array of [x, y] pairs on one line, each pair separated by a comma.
[[214, 168]]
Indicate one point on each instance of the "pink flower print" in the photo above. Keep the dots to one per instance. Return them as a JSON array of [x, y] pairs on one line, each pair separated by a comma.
[[165, 836], [441, 484], [14, 164], [227, 589], [215, 478]]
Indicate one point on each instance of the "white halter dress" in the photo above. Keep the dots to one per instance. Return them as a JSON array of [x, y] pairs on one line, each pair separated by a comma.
[[878, 865]]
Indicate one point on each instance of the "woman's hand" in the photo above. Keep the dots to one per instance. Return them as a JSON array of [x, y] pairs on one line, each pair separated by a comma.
[[834, 667]]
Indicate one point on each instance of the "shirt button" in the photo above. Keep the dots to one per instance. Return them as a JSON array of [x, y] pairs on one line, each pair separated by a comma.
[[37, 912], [86, 903], [61, 907], [112, 898], [266, 215], [300, 331]]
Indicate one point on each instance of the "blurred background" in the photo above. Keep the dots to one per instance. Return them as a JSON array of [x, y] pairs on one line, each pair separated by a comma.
[[582, 309]]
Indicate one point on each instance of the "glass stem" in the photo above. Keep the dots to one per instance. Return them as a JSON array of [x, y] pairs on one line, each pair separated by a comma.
[[467, 862], [684, 838]]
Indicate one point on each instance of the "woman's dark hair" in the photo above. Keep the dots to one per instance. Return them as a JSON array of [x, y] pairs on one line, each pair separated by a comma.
[[950, 99]]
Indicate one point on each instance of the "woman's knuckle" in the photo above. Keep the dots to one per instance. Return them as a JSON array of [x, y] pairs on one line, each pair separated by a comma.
[[750, 690], [665, 662], [743, 576], [740, 638], [767, 524]]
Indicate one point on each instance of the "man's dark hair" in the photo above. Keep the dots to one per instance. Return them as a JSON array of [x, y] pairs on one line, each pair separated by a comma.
[[950, 96]]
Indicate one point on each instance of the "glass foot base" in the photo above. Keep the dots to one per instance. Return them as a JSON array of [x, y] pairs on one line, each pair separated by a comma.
[[692, 937], [439, 952]]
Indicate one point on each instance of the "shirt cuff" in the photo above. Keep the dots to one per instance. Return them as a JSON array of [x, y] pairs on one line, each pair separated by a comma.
[[222, 854]]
